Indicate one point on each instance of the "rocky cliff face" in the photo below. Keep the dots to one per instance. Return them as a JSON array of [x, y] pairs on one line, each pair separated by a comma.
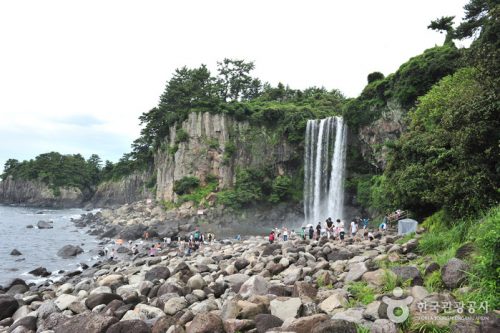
[[126, 190], [218, 145], [374, 136], [31, 193]]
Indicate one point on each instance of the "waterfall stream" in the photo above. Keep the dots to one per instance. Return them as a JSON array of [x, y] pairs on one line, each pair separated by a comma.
[[324, 169]]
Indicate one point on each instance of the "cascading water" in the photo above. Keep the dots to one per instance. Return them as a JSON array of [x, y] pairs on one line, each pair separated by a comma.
[[324, 169]]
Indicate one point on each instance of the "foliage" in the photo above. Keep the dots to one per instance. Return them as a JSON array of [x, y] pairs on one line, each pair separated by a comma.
[[449, 156], [427, 327], [362, 329], [433, 282], [406, 238], [186, 185], [444, 24], [281, 189], [375, 76], [181, 136], [198, 195], [361, 292]]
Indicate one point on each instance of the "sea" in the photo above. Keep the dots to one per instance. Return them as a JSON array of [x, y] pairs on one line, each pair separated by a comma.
[[39, 246]]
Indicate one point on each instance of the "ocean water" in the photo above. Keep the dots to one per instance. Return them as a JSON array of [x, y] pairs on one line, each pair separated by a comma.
[[39, 246]]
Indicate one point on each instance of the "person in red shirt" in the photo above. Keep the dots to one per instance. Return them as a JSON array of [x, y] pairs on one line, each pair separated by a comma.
[[271, 237]]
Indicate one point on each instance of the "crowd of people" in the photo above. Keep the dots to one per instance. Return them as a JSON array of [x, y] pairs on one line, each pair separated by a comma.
[[330, 229]]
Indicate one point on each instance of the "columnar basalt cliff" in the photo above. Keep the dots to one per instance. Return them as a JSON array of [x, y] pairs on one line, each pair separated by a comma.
[[218, 145]]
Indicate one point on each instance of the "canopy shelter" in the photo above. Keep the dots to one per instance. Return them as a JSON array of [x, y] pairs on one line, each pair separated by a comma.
[[406, 226]]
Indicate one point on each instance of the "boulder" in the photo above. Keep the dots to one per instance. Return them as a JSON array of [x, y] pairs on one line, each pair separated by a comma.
[[132, 232], [376, 278], [86, 322], [157, 273], [465, 327], [126, 326], [207, 322], [356, 271], [335, 301], [334, 326], [62, 302], [383, 326], [238, 325], [256, 285], [371, 311], [112, 281], [68, 251], [408, 273], [28, 322], [40, 271], [432, 267], [101, 298], [241, 263], [45, 224], [352, 315], [8, 305], [304, 290], [236, 280], [46, 309], [174, 305], [264, 322], [149, 311], [454, 273], [284, 307], [304, 324], [15, 252], [196, 282]]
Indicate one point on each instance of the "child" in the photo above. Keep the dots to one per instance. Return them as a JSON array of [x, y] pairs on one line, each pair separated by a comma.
[[342, 233]]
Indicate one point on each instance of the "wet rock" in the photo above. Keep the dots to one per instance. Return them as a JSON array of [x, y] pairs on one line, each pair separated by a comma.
[[40, 271], [454, 273], [15, 252], [45, 224], [8, 305], [69, 251]]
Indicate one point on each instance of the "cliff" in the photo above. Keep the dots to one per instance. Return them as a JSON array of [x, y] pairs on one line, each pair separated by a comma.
[[374, 136], [129, 189], [218, 145], [33, 193]]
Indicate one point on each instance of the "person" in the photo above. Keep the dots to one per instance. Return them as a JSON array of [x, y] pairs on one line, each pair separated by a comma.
[[197, 235], [271, 237], [365, 222], [210, 237], [106, 251], [382, 226], [370, 236], [341, 233], [158, 246], [135, 249], [285, 234], [318, 230], [311, 232], [354, 228], [113, 254], [329, 227], [303, 233], [146, 235], [152, 251], [293, 234]]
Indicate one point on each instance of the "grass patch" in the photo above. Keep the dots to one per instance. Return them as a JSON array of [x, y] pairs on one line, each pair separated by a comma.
[[428, 328], [362, 329], [405, 238], [362, 293], [433, 282]]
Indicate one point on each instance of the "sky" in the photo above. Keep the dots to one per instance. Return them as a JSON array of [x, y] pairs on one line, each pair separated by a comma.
[[76, 75]]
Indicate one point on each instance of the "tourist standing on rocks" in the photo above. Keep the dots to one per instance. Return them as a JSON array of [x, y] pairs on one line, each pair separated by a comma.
[[329, 227], [318, 231], [311, 232], [303, 233], [271, 237], [342, 233], [354, 228], [285, 234], [152, 251], [146, 235]]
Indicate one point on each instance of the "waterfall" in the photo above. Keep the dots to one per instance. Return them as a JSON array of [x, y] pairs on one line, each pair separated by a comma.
[[324, 169]]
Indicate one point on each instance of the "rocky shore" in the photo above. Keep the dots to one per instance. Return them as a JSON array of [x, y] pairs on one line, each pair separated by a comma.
[[242, 286]]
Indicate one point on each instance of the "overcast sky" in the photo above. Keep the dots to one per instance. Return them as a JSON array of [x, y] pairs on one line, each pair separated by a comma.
[[76, 75]]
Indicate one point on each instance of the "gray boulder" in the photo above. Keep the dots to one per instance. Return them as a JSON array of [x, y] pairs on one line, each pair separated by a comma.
[[8, 305], [264, 322], [454, 273], [86, 322], [409, 273], [157, 273], [126, 326], [68, 251], [45, 224], [101, 298], [334, 326]]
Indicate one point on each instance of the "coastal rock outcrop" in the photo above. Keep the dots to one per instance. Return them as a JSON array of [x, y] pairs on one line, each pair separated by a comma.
[[68, 251]]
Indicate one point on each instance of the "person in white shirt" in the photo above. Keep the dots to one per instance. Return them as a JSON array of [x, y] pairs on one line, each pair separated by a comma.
[[354, 228]]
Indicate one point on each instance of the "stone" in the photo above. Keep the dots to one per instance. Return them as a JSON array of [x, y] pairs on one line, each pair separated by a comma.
[[22, 311], [333, 302], [356, 271], [86, 322], [465, 327], [66, 288], [256, 285], [291, 274], [335, 326], [238, 325], [126, 326], [304, 324], [241, 263], [174, 305], [432, 267], [304, 290], [162, 325], [196, 282], [464, 251], [101, 298], [101, 290], [45, 224], [149, 311], [69, 251], [352, 315], [264, 322], [371, 311], [230, 309], [40, 271], [112, 281], [28, 322], [409, 273], [62, 302], [78, 307], [46, 309], [454, 273], [376, 278], [248, 310], [15, 252], [157, 273], [236, 280], [284, 307], [383, 326], [419, 292], [206, 323]]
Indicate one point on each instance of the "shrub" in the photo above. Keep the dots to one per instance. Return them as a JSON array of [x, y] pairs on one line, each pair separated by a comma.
[[186, 185], [281, 189], [181, 136]]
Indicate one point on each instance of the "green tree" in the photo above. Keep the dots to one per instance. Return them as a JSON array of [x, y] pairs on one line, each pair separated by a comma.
[[444, 24], [235, 81]]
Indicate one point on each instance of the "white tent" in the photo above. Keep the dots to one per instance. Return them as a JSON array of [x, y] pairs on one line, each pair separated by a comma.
[[406, 226]]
